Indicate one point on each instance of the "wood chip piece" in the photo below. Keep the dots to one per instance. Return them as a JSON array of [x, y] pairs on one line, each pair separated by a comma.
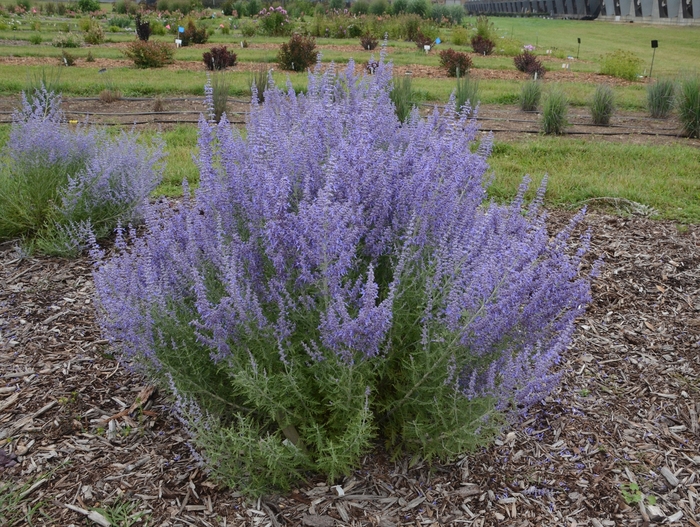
[[316, 520], [670, 476]]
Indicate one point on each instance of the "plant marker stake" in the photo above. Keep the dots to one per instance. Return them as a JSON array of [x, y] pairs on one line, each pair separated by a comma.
[[579, 48], [654, 45]]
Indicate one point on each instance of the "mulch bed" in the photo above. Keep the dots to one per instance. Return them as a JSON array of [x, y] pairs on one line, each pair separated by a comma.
[[626, 413]]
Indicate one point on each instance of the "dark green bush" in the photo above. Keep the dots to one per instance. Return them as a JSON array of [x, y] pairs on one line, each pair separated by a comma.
[[88, 6], [359, 7]]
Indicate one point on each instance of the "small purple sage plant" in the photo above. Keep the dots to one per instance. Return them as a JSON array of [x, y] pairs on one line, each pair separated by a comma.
[[340, 277], [61, 186]]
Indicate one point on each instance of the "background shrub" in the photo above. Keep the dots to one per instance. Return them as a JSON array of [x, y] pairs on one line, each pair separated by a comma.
[[422, 40], [88, 6], [143, 28], [95, 34], [149, 53], [529, 63], [455, 62], [219, 58], [68, 40], [482, 45], [530, 95], [602, 105], [375, 296], [688, 105], [67, 59], [460, 36], [378, 7], [621, 64], [369, 41], [194, 34], [60, 186], [274, 22], [157, 28], [660, 95], [35, 39], [359, 7], [298, 54], [418, 7], [399, 7], [554, 112], [248, 29]]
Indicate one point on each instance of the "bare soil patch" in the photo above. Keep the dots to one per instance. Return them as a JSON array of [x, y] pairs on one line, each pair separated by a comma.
[[626, 412]]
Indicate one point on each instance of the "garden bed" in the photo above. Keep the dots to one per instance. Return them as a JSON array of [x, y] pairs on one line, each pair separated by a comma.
[[624, 418]]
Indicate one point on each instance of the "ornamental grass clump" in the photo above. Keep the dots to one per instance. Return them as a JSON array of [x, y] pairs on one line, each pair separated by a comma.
[[530, 95], [602, 105], [660, 94], [61, 187], [554, 112], [337, 280], [688, 104]]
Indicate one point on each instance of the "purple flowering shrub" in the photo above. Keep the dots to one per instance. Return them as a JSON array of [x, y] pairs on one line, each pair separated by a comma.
[[62, 186], [338, 278]]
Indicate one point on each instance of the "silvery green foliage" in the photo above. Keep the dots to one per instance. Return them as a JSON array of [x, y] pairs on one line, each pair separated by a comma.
[[63, 183], [339, 276]]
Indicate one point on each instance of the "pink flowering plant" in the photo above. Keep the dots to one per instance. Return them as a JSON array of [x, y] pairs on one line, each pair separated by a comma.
[[63, 186], [339, 278], [274, 22]]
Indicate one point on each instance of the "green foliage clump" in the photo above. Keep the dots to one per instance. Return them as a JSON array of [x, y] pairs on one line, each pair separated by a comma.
[[35, 39], [688, 104], [68, 40], [149, 53], [218, 85], [399, 7], [530, 95], [248, 28], [621, 64], [378, 7], [94, 34], [359, 7], [418, 7], [554, 112], [460, 36], [466, 92], [88, 6], [660, 95], [298, 54], [602, 105], [402, 96]]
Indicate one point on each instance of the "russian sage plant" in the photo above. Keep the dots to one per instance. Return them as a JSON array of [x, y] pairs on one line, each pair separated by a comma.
[[62, 186], [339, 278]]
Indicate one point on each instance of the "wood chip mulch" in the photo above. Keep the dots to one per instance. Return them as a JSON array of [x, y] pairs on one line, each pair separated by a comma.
[[83, 436]]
